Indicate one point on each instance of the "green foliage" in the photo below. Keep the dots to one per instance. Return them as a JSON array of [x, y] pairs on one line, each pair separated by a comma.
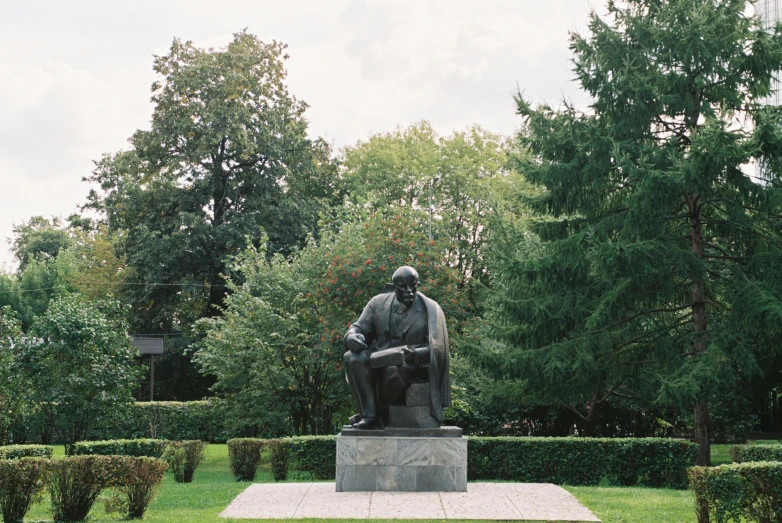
[[280, 453], [314, 455], [398, 169], [277, 349], [650, 462], [21, 483], [168, 420], [747, 453], [652, 272], [38, 239], [244, 456], [14, 400], [153, 448], [274, 377], [227, 155], [739, 492], [26, 451], [183, 458], [79, 364]]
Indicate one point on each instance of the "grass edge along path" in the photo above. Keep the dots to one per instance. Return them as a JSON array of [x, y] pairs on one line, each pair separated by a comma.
[[214, 487]]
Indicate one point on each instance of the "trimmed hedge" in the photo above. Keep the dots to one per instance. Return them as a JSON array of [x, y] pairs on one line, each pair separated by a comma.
[[171, 420], [244, 455], [315, 455], [21, 483], [752, 491], [747, 453], [26, 451], [650, 462], [152, 448], [183, 457], [75, 482], [139, 483]]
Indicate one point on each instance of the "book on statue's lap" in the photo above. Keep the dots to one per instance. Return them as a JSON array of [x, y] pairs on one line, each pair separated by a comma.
[[388, 357]]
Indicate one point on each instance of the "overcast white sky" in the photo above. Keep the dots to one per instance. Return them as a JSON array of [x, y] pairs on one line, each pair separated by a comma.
[[75, 75]]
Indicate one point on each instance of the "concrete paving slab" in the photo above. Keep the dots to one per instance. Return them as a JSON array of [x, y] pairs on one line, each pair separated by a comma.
[[493, 501]]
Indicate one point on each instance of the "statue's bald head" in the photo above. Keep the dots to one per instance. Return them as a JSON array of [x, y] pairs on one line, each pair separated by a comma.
[[405, 280]]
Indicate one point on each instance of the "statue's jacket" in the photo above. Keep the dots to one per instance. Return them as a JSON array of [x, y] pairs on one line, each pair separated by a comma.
[[374, 324]]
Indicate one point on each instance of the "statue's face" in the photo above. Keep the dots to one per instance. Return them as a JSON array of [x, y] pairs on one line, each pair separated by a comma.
[[405, 288]]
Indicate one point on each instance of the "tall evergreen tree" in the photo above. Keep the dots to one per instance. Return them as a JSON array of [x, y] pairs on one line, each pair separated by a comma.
[[654, 267]]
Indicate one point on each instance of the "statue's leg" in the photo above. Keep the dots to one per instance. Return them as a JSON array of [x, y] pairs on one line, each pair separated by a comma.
[[362, 383], [394, 382]]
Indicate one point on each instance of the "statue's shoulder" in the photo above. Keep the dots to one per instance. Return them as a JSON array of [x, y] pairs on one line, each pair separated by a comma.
[[429, 302], [381, 300]]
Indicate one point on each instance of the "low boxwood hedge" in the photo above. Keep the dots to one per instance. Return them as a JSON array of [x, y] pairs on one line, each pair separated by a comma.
[[747, 453], [152, 448], [649, 462], [315, 455], [26, 451], [652, 462], [738, 492]]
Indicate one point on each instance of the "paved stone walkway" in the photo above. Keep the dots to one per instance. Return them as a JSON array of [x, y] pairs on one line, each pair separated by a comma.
[[500, 501]]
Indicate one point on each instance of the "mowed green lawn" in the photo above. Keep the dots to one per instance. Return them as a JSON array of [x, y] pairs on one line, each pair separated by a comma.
[[214, 487]]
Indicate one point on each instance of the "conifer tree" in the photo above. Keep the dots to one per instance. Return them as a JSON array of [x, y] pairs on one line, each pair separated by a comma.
[[654, 263]]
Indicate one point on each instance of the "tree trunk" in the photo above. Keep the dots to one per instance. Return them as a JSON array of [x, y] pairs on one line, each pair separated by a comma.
[[701, 427], [701, 433], [589, 423]]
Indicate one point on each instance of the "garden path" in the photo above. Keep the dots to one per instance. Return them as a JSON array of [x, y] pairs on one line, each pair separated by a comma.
[[495, 501]]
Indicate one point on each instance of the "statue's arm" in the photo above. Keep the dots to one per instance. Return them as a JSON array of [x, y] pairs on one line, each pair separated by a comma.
[[358, 336]]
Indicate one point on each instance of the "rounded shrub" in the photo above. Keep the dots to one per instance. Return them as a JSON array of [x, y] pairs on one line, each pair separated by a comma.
[[21, 483], [244, 455], [183, 458]]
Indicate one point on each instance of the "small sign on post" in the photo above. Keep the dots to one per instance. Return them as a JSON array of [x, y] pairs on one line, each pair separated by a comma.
[[151, 346]]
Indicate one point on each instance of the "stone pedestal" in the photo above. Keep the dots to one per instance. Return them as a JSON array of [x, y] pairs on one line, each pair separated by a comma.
[[414, 463]]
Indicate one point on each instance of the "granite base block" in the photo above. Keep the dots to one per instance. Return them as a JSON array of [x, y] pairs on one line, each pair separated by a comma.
[[400, 464]]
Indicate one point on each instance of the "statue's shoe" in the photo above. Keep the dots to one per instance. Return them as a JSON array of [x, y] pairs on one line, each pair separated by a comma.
[[366, 424], [355, 418]]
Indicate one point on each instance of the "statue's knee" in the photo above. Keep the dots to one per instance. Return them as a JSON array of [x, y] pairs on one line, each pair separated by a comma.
[[355, 359]]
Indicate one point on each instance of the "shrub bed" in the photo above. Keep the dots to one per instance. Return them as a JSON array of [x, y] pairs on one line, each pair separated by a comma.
[[26, 451], [21, 483], [183, 457], [152, 448], [581, 461], [244, 456], [752, 491], [747, 453]]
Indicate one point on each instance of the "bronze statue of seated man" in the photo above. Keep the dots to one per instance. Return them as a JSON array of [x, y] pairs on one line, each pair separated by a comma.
[[399, 340]]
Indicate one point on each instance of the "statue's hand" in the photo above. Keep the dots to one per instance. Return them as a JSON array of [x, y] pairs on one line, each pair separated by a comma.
[[356, 342]]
